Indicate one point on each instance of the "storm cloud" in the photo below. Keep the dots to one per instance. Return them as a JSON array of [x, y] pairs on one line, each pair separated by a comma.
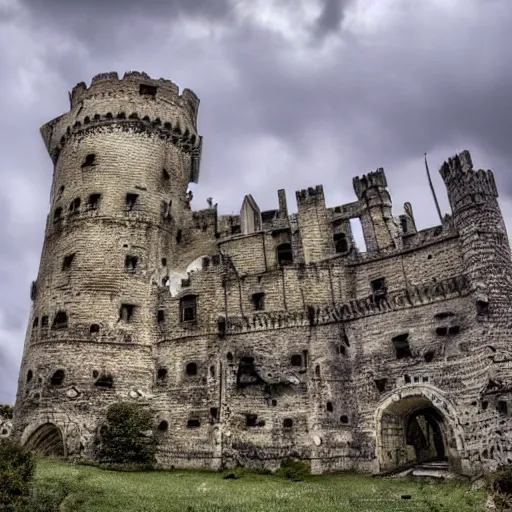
[[293, 94]]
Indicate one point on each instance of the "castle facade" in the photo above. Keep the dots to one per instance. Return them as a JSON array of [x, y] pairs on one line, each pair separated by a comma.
[[266, 335]]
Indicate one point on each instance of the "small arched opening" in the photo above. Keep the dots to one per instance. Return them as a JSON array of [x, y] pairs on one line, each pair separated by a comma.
[[411, 429], [47, 440]]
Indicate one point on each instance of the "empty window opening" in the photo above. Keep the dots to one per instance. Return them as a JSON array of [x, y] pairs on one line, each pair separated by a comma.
[[163, 426], [443, 315], [425, 379], [236, 230], [403, 223], [454, 330], [416, 379], [160, 316], [130, 263], [212, 372], [258, 301], [485, 404], [95, 374], [287, 423], [94, 328], [35, 322], [340, 242], [105, 381], [407, 379], [284, 254], [251, 420], [305, 358], [401, 344], [214, 414], [317, 370], [126, 312], [89, 160], [274, 402], [93, 202], [345, 339], [296, 360], [44, 321], [379, 289], [61, 191], [191, 369], [165, 175], [147, 90], [358, 234], [502, 407], [185, 283], [57, 214], [381, 384], [482, 308], [229, 357], [57, 378], [188, 306], [329, 407], [74, 207], [429, 356], [29, 375], [221, 324], [178, 236], [60, 321], [164, 262], [344, 419], [161, 373], [67, 261], [341, 350], [442, 331], [205, 263], [131, 201], [193, 423], [429, 257]]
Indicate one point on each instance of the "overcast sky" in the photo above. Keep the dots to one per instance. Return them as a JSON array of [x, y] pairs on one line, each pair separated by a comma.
[[294, 93]]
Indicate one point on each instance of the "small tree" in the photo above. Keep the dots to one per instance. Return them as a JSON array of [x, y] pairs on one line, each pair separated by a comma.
[[127, 436], [17, 467]]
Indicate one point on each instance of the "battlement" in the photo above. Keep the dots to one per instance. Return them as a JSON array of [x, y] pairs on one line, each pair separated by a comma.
[[465, 185], [375, 179], [134, 82], [310, 195]]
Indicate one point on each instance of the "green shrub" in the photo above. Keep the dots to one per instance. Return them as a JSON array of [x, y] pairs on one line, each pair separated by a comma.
[[6, 411], [127, 436], [17, 467], [295, 470]]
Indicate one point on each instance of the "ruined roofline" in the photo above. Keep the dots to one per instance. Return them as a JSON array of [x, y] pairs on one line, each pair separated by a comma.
[[109, 82]]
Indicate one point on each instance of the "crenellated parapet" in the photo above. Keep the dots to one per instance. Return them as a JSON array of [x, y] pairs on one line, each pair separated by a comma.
[[373, 181], [135, 103], [134, 83], [467, 187], [310, 196]]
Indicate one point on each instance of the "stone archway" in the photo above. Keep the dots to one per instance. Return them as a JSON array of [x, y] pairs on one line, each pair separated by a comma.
[[47, 440], [417, 424]]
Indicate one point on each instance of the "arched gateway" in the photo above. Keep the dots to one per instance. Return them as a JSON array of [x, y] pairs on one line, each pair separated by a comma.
[[46, 440], [417, 423]]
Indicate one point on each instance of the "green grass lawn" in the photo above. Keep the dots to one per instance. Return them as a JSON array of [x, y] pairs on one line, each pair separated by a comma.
[[91, 489]]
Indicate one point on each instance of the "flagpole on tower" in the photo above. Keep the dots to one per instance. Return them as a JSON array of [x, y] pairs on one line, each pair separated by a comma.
[[433, 191]]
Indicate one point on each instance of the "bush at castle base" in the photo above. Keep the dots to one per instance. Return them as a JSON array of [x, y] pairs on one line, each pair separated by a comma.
[[127, 436], [17, 467]]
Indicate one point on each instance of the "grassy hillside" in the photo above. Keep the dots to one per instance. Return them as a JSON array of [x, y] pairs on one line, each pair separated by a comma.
[[91, 489]]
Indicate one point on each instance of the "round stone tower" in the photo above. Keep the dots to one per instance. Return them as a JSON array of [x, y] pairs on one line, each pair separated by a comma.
[[123, 158]]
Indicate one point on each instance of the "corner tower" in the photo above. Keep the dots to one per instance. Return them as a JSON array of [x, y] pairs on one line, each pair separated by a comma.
[[123, 158], [485, 246]]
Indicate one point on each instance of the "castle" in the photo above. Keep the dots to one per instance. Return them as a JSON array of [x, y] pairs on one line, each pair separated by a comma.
[[262, 336]]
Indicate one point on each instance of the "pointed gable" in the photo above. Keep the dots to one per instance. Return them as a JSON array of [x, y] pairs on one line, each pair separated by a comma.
[[250, 215]]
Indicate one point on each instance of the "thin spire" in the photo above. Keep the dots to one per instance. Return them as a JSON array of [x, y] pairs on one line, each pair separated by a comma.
[[433, 191]]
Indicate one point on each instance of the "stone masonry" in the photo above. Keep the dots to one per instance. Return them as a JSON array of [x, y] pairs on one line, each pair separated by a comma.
[[263, 336]]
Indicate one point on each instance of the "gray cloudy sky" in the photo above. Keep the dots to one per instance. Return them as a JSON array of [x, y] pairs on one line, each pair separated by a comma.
[[293, 93]]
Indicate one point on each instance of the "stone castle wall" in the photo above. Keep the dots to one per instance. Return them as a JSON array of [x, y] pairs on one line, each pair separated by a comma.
[[260, 336]]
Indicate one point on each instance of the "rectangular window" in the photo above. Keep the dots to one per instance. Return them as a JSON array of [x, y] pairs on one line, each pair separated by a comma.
[[131, 201], [126, 312], [188, 307], [258, 301]]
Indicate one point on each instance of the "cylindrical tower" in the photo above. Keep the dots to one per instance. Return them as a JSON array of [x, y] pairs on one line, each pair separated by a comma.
[[484, 242], [123, 158]]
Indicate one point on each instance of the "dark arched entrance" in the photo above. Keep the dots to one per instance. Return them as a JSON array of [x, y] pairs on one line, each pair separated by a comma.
[[423, 432], [46, 440]]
